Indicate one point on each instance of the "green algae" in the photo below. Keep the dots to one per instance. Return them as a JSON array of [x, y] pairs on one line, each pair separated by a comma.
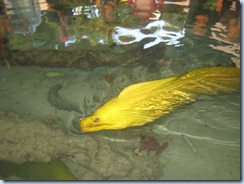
[[53, 170]]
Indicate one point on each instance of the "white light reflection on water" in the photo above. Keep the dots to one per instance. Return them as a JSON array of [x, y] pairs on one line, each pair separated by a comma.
[[160, 35], [220, 33], [90, 11]]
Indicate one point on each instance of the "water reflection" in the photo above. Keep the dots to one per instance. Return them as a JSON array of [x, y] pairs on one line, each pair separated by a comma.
[[24, 16], [113, 44], [101, 24], [146, 10], [123, 36]]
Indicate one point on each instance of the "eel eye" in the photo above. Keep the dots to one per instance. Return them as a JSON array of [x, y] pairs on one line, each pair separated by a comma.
[[95, 120]]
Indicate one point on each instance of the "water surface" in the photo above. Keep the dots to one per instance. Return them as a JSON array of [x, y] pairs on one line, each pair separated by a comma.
[[61, 60]]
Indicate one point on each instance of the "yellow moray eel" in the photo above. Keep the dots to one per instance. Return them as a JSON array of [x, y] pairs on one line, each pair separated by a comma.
[[144, 102]]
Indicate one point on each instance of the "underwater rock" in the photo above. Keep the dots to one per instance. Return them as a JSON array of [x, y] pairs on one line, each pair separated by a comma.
[[59, 102], [44, 139], [88, 58], [23, 140]]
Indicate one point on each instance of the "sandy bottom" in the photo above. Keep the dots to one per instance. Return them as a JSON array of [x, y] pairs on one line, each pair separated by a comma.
[[203, 137]]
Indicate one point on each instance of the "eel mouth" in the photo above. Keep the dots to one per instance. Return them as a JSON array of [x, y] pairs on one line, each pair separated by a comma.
[[87, 128]]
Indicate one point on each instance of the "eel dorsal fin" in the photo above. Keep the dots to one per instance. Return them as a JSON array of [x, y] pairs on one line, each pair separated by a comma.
[[142, 88]]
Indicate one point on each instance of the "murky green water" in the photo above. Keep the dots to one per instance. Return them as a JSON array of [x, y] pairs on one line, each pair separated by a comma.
[[61, 60]]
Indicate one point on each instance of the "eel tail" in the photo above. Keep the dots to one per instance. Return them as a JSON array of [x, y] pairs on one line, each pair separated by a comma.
[[210, 80]]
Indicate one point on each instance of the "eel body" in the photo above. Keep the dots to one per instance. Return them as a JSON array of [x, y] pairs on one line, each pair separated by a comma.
[[144, 102]]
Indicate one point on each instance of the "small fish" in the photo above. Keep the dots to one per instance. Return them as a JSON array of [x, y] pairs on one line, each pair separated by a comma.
[[162, 148], [189, 142], [3, 89], [54, 74], [149, 144]]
